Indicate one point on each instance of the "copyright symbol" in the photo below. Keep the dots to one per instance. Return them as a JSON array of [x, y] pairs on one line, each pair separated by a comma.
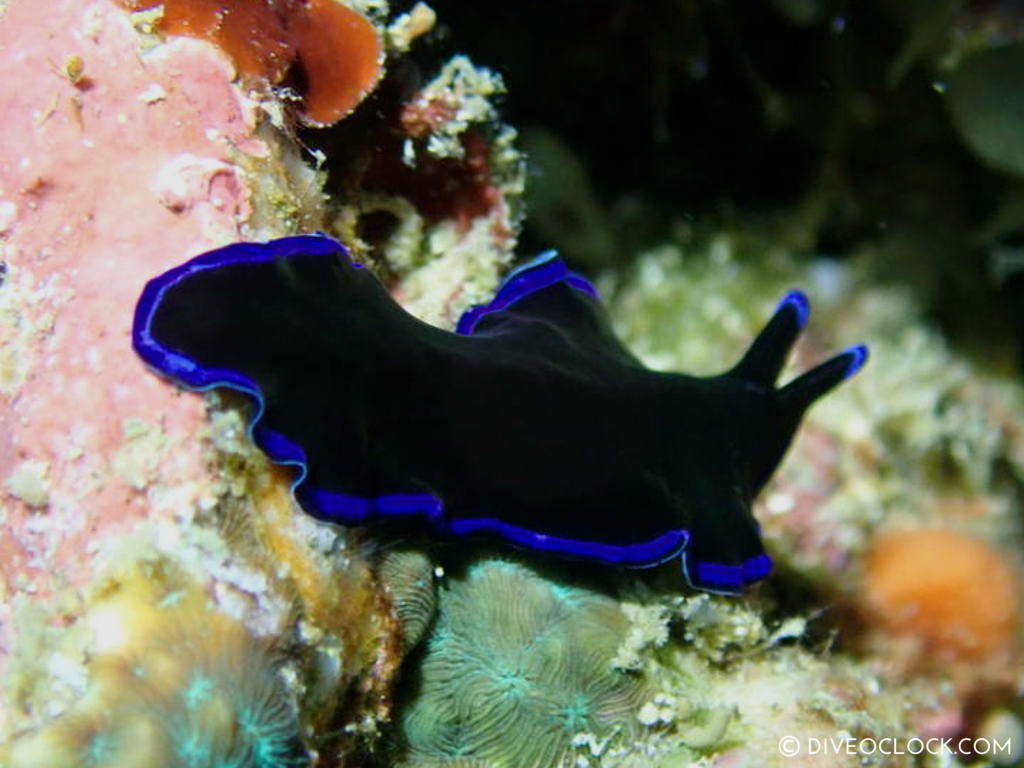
[[789, 746]]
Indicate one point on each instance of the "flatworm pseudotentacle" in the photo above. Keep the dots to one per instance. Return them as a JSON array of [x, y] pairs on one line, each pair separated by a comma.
[[531, 423]]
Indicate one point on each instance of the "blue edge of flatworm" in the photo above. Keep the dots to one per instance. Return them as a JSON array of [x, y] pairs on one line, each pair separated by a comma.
[[546, 269]]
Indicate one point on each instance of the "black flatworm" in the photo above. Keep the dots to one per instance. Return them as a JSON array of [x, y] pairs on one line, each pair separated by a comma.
[[531, 422]]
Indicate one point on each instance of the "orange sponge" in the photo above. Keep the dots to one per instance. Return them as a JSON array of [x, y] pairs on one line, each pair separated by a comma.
[[332, 53], [340, 55], [957, 594]]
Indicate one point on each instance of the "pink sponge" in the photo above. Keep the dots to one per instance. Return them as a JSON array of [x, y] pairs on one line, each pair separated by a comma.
[[117, 164]]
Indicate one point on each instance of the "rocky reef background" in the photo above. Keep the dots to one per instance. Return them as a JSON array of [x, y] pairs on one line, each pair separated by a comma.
[[163, 601], [830, 127]]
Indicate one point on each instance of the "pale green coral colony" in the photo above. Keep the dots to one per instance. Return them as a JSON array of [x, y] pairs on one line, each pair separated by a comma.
[[516, 670]]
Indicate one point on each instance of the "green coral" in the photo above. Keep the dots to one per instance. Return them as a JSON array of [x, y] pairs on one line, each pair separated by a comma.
[[263, 728], [518, 669]]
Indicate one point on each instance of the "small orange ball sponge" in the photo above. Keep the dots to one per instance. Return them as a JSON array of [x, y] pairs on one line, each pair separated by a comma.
[[957, 594], [333, 51]]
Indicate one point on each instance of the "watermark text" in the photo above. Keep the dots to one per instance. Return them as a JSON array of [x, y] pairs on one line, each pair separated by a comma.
[[841, 744]]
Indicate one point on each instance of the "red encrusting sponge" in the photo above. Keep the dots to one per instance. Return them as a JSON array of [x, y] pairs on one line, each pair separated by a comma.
[[332, 53]]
